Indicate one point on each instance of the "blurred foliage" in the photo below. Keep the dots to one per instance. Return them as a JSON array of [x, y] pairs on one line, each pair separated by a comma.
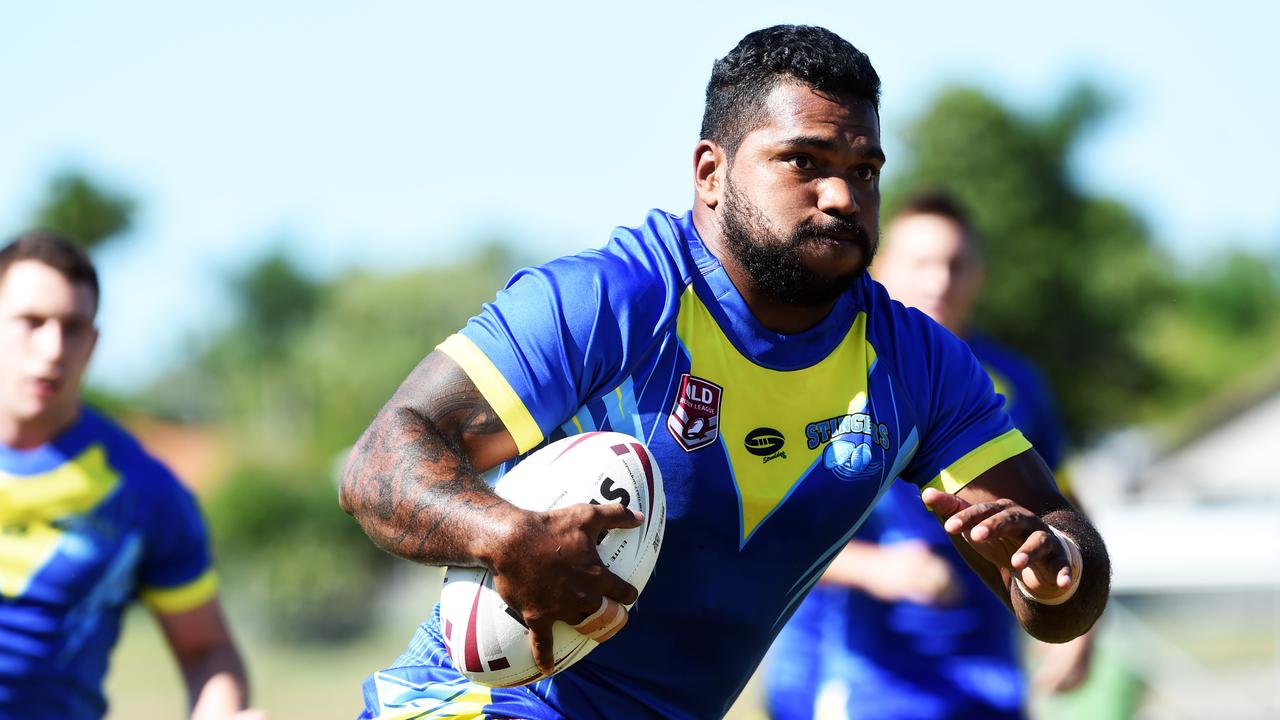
[[78, 207], [295, 379], [274, 301], [293, 554], [1074, 280], [1219, 342]]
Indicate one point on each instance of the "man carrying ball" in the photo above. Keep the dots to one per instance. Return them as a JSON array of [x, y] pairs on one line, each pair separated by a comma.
[[778, 387]]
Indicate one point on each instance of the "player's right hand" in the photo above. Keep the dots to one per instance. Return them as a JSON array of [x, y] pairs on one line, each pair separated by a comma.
[[548, 569]]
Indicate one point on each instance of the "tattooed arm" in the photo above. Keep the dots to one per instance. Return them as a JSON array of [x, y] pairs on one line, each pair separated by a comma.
[[412, 483]]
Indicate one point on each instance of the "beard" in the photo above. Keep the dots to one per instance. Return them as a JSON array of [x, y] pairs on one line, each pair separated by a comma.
[[774, 264]]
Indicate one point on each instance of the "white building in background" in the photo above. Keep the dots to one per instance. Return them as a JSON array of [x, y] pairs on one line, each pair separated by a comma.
[[1193, 529], [1200, 513]]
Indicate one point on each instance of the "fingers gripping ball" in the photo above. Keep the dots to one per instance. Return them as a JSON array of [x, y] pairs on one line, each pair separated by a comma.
[[487, 640]]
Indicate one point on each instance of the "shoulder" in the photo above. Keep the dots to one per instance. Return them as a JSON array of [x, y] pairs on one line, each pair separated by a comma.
[[995, 353], [127, 456], [889, 316], [650, 258], [905, 335]]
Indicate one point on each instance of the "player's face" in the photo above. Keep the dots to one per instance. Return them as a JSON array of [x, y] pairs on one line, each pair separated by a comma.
[[802, 196], [927, 264], [47, 332]]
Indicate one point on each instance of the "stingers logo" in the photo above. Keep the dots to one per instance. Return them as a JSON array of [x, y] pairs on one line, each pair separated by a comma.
[[850, 454], [695, 417], [766, 443]]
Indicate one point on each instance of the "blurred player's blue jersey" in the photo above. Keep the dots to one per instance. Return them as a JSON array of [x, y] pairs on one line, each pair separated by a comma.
[[87, 523], [773, 448], [846, 654]]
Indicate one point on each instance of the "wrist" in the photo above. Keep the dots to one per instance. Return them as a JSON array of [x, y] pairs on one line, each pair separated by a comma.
[[506, 527], [1076, 562]]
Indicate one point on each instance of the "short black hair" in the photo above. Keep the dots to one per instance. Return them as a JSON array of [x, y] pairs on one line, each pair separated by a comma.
[[53, 250], [812, 56], [944, 205]]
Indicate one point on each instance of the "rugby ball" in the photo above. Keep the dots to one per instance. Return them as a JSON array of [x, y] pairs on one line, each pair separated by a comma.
[[487, 640]]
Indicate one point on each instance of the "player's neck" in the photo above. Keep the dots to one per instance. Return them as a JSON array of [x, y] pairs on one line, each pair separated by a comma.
[[27, 434], [779, 316]]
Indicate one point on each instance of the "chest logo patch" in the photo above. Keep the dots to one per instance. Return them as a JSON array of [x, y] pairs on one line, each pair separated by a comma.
[[695, 416], [765, 442]]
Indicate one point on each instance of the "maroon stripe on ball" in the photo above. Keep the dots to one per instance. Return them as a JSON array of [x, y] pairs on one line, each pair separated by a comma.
[[500, 663], [648, 474], [575, 442], [470, 649]]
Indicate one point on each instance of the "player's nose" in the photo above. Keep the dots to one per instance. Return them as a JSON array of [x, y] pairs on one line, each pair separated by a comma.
[[835, 197]]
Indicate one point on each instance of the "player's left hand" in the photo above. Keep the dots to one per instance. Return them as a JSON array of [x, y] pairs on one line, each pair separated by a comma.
[[1009, 536]]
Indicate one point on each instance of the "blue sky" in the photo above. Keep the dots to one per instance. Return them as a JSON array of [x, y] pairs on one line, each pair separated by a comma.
[[386, 134]]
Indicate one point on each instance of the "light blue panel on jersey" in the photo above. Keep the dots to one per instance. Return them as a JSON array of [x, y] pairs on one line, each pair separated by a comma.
[[112, 589], [624, 413]]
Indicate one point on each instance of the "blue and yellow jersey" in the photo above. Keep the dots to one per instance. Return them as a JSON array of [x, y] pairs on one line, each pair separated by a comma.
[[847, 654], [88, 522], [773, 449]]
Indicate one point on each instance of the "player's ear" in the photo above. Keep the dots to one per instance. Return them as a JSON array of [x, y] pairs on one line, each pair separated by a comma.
[[709, 167]]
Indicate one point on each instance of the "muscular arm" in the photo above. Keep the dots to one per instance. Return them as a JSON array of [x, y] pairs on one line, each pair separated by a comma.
[[412, 479], [999, 523], [412, 483]]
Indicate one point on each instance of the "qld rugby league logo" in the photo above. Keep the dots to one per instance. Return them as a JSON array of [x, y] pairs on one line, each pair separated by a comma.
[[695, 417]]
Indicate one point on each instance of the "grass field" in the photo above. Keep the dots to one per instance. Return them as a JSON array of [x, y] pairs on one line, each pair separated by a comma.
[[1205, 652], [289, 682]]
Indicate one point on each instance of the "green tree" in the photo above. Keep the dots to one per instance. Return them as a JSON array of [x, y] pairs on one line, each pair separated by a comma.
[[1071, 276], [275, 299], [1219, 343], [83, 210]]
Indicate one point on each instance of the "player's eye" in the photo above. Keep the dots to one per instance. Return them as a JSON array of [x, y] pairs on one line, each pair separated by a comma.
[[866, 173], [801, 162]]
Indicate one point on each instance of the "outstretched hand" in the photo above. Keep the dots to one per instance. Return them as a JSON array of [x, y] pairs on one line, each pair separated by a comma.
[[1010, 537], [549, 571]]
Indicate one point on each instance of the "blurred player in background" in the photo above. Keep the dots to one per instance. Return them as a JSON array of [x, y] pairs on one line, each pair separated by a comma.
[[897, 628], [88, 520]]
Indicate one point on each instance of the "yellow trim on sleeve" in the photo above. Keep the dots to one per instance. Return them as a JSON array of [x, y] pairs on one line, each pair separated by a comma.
[[979, 460], [170, 601], [495, 389]]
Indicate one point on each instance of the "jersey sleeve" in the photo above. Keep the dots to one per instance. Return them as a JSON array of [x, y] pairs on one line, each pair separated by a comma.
[[176, 573], [565, 332], [964, 428]]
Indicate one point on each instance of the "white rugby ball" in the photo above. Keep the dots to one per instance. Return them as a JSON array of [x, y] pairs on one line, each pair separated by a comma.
[[488, 641]]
